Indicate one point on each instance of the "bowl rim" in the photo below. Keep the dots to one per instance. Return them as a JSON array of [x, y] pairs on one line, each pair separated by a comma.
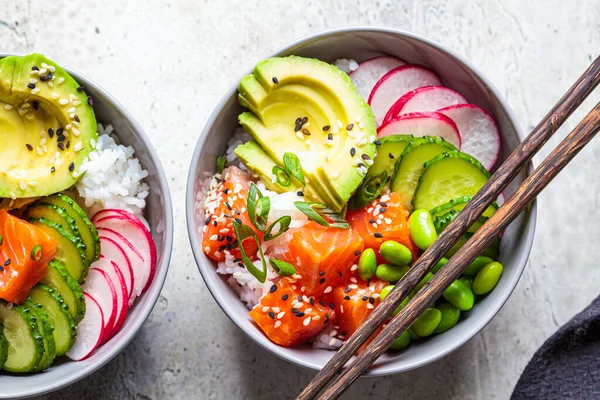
[[256, 336], [161, 270]]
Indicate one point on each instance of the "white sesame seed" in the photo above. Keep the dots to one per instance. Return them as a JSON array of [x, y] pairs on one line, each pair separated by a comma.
[[280, 315], [299, 305], [50, 84], [45, 66], [42, 141], [387, 221], [68, 127], [277, 324], [358, 119], [29, 116], [78, 147], [305, 299], [374, 225], [8, 107], [63, 102], [316, 318], [13, 196], [353, 280], [214, 237], [327, 289], [32, 80], [224, 230], [207, 249], [354, 267], [332, 341], [275, 309], [43, 71], [361, 125], [303, 289], [32, 183], [375, 295], [35, 91], [299, 135], [51, 68], [306, 321], [370, 306], [39, 151], [60, 81], [72, 115], [54, 96], [71, 110], [308, 311], [266, 308], [22, 185]]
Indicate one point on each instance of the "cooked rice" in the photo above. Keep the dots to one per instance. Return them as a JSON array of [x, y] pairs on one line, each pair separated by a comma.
[[346, 65]]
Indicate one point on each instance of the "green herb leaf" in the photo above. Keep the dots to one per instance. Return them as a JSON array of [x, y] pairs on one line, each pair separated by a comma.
[[243, 232], [291, 162], [284, 224], [220, 164], [282, 268], [280, 176], [318, 212], [370, 188], [258, 207]]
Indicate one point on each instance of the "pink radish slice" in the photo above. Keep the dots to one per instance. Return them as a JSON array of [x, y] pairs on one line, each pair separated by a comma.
[[100, 286], [369, 72], [140, 271], [112, 251], [423, 124], [395, 84], [478, 132], [425, 99], [89, 331], [118, 281]]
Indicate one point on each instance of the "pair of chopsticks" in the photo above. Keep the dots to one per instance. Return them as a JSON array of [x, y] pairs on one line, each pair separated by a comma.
[[525, 194]]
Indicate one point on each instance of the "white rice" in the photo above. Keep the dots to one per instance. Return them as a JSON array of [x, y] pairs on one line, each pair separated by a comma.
[[239, 137], [112, 176], [346, 65]]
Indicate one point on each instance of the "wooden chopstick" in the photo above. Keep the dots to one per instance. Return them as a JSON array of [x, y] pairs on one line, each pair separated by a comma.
[[495, 185]]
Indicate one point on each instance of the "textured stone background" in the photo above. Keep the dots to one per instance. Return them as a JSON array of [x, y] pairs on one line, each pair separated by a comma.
[[169, 62]]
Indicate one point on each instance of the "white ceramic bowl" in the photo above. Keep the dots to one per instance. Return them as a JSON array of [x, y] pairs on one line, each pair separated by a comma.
[[159, 214], [456, 73]]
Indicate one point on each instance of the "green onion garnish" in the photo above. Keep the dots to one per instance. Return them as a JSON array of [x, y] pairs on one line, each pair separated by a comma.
[[291, 162], [317, 212], [370, 188], [220, 164], [258, 207], [36, 253], [282, 268], [284, 224], [1, 240], [243, 232], [280, 176]]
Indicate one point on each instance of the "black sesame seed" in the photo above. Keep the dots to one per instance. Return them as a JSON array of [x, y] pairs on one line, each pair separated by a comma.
[[300, 315], [312, 301], [304, 120], [51, 133], [294, 310], [361, 165], [372, 221], [321, 273], [298, 121], [7, 262], [52, 170], [43, 78], [357, 253], [371, 300], [29, 147], [349, 127], [241, 265], [60, 137], [297, 128], [237, 212], [215, 223], [229, 238], [68, 144], [347, 290], [239, 221], [285, 297], [35, 104], [343, 334], [352, 151], [377, 143], [228, 205], [365, 298], [272, 314], [76, 118], [220, 238], [365, 157], [31, 86], [382, 209], [332, 306], [221, 248], [50, 75], [1, 268], [35, 68], [237, 260], [72, 167], [346, 297], [340, 273], [275, 81], [60, 131], [326, 128], [326, 319], [80, 88], [90, 101], [330, 137], [321, 302], [390, 155], [207, 221], [383, 204], [234, 244], [300, 193], [273, 289], [306, 132], [378, 235], [322, 281], [299, 298]]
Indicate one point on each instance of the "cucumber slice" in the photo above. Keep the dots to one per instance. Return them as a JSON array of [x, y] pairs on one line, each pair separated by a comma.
[[442, 221], [458, 204], [25, 343], [47, 331], [65, 329], [449, 175], [3, 347], [388, 152], [492, 251], [410, 166], [59, 278], [70, 250], [55, 214], [87, 231]]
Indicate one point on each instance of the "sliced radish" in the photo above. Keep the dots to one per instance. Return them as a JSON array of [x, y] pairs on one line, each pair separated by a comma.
[[395, 84], [369, 72], [425, 99], [423, 124], [478, 132], [89, 331], [112, 251], [141, 272], [100, 286], [116, 277]]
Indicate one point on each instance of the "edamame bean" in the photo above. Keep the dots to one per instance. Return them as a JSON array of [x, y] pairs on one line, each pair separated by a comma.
[[459, 295], [487, 278], [467, 280], [390, 273], [476, 265], [402, 342], [439, 265], [385, 291], [421, 229], [395, 253], [427, 322], [426, 279], [450, 317], [367, 264]]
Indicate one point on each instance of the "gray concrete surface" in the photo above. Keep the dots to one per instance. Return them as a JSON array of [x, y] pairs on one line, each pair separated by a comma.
[[169, 62]]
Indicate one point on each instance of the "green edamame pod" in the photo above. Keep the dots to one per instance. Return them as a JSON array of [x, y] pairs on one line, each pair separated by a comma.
[[450, 317], [426, 279], [412, 334], [459, 295], [402, 342], [390, 273], [395, 253], [476, 265], [439, 265], [385, 291], [487, 278], [421, 229], [427, 322], [367, 264], [467, 280]]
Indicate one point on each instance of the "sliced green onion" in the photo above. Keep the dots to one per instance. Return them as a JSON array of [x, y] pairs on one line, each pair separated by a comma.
[[291, 162], [258, 214], [280, 176], [282, 268], [284, 224], [220, 164], [36, 253], [370, 188], [243, 232], [318, 212], [1, 240]]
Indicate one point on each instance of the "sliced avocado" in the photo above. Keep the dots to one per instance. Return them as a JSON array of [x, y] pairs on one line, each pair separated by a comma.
[[47, 127], [283, 91]]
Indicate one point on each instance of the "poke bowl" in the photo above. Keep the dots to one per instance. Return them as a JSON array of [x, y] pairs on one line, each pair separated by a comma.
[[84, 195], [326, 170]]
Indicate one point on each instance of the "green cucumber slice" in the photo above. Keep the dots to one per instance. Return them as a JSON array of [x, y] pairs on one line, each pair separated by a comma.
[[458, 204], [47, 331], [448, 176], [25, 343], [59, 278], [65, 329], [442, 221], [388, 152], [3, 347], [87, 231], [492, 251], [70, 250], [410, 166]]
